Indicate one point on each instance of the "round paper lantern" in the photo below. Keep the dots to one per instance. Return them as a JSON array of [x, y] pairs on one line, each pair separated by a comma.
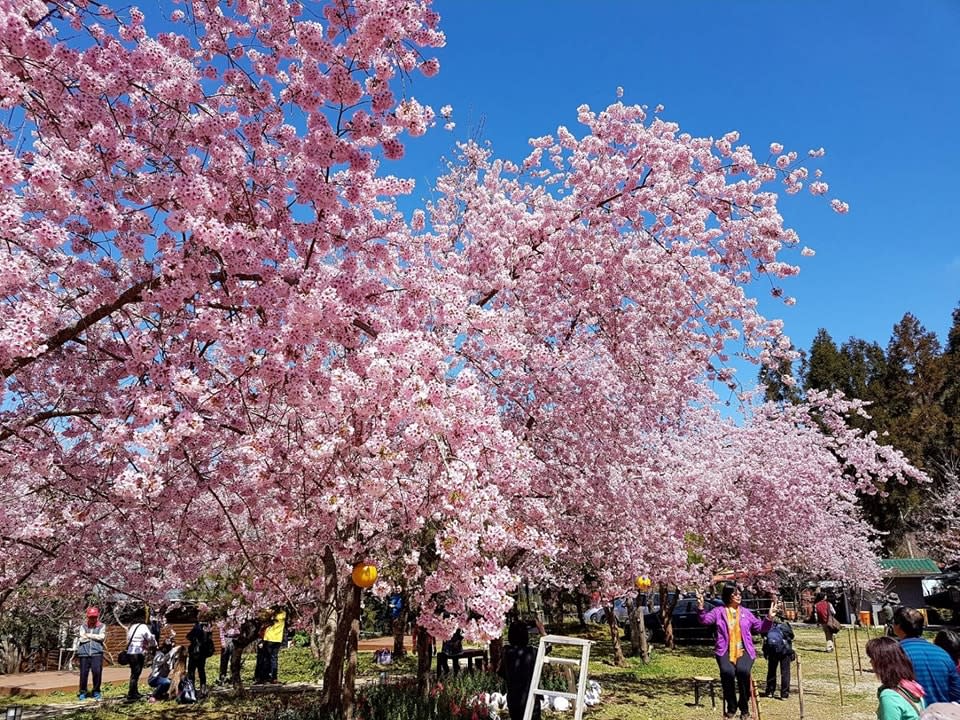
[[364, 575], [642, 583]]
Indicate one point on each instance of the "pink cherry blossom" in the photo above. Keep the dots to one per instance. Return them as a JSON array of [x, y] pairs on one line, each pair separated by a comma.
[[221, 334]]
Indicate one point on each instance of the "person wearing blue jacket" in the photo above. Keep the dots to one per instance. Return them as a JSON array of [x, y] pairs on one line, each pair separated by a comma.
[[934, 668]]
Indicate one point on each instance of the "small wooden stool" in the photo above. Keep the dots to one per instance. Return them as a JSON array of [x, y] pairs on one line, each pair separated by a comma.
[[707, 684]]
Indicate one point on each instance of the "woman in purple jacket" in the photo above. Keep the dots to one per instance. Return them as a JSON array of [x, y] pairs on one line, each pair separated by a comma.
[[734, 648]]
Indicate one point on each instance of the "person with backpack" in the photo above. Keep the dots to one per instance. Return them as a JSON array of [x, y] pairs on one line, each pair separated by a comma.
[[778, 650], [825, 611], [201, 647]]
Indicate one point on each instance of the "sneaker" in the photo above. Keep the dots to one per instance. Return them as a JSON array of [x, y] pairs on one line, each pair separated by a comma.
[[97, 696], [784, 696], [81, 696]]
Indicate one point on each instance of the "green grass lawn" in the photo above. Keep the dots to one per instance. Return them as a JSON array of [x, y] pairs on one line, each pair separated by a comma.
[[664, 688], [661, 689]]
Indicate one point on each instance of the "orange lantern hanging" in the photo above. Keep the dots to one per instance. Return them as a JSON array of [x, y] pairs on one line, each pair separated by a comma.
[[642, 583], [364, 575]]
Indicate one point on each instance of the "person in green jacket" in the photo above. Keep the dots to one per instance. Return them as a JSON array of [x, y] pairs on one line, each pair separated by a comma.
[[900, 695], [90, 649]]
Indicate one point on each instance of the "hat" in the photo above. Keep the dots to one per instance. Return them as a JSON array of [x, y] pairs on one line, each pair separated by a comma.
[[93, 612]]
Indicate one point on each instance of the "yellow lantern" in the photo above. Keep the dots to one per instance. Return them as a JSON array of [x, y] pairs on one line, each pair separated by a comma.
[[642, 583], [364, 575]]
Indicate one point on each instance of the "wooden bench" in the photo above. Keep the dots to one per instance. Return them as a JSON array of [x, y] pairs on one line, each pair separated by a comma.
[[704, 684], [479, 654]]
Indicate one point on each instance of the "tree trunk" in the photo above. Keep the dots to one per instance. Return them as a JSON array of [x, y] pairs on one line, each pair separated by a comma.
[[496, 653], [578, 599], [666, 614], [633, 623], [249, 633], [638, 629], [424, 660], [329, 612], [618, 658], [353, 641], [552, 600], [333, 689], [644, 645]]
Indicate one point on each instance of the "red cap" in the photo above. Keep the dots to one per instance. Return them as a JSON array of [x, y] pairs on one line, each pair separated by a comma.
[[93, 612]]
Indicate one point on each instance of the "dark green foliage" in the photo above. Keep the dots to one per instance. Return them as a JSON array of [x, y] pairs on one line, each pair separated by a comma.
[[913, 387], [950, 389], [824, 368]]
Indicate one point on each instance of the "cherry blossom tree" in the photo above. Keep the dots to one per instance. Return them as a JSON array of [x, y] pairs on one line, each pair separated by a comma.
[[226, 351]]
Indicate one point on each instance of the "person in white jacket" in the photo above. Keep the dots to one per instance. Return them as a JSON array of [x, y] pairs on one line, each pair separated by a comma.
[[139, 640]]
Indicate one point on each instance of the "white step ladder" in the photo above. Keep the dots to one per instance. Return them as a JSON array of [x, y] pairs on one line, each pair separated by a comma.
[[544, 659]]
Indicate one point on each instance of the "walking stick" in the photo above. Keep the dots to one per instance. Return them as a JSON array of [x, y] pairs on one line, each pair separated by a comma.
[[853, 667], [836, 656], [856, 640], [800, 684], [753, 694]]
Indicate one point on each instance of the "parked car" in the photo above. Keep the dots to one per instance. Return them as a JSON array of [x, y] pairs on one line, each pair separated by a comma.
[[686, 622], [598, 614]]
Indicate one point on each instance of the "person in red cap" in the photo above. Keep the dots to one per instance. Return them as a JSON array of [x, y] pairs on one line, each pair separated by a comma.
[[90, 651]]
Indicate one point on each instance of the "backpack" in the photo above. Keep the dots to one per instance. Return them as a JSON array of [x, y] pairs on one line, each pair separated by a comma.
[[207, 649], [779, 640], [823, 611], [186, 693]]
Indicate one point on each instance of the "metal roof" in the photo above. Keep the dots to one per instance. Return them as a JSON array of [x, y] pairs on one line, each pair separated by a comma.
[[909, 567]]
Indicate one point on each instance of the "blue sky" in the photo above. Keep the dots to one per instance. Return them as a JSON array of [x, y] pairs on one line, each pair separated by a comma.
[[876, 83]]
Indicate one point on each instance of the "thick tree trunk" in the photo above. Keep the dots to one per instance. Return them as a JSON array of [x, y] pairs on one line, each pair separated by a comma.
[[638, 629], [496, 653], [333, 686], [329, 612], [353, 642], [578, 599], [666, 614], [633, 623], [249, 633], [424, 660], [642, 632], [618, 658], [552, 600]]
